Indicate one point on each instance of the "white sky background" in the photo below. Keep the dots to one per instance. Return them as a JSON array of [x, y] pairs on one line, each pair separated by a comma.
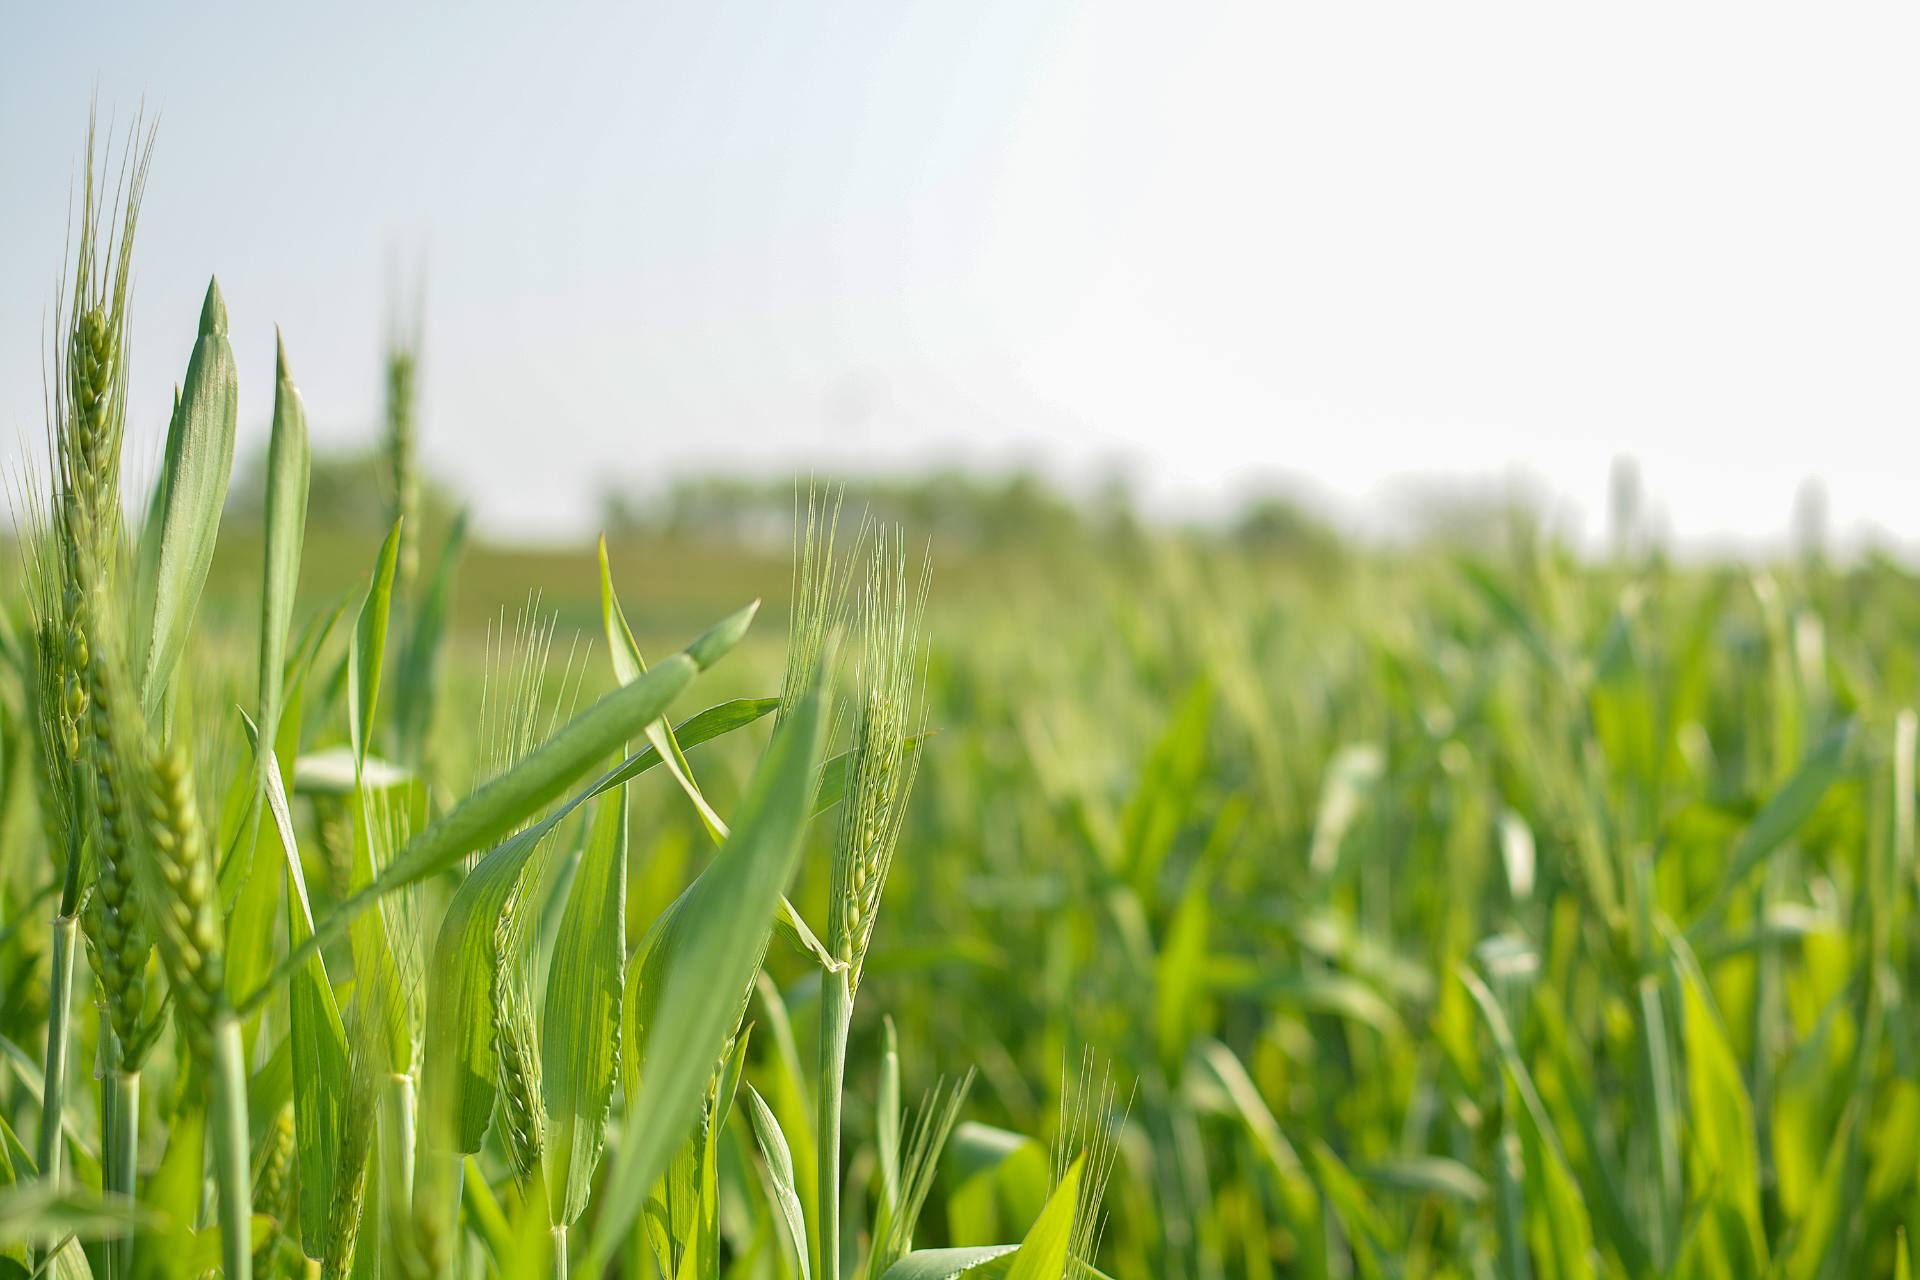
[[1215, 244]]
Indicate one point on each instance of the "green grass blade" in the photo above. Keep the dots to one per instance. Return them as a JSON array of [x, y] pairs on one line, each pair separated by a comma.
[[772, 1142], [289, 470], [629, 666], [460, 1075], [38, 1213], [537, 780], [1365, 1226], [793, 927], [789, 1098], [886, 1120], [725, 923], [1254, 1113], [253, 898], [1563, 1246], [833, 774], [197, 470], [367, 657], [580, 1031], [1428, 1175], [418, 672], [424, 857], [946, 1264], [1784, 813], [712, 723], [319, 1038], [1043, 1254], [147, 554], [1722, 1146], [542, 776]]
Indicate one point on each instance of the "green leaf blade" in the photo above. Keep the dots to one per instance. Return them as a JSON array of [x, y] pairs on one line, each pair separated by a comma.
[[580, 1033], [196, 470], [726, 922]]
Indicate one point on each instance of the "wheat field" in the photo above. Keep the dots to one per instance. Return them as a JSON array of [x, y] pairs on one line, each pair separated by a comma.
[[1123, 902]]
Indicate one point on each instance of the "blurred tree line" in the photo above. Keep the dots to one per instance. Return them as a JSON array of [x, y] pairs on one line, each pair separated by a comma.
[[351, 491], [964, 512]]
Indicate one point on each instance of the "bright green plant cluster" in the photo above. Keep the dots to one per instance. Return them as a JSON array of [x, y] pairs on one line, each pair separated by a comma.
[[1487, 913], [355, 1017]]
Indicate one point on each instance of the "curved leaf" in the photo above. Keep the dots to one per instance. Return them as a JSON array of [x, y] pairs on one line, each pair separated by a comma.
[[1043, 1254], [459, 1075], [773, 1149], [945, 1264], [726, 920], [529, 786]]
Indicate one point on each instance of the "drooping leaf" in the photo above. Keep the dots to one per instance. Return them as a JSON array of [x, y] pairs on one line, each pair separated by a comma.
[[38, 1213], [536, 781], [629, 666]]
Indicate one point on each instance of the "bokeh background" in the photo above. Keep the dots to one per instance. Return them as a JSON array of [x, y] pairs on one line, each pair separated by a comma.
[[1347, 253]]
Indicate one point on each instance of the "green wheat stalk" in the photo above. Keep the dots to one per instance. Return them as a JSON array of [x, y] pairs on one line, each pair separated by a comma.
[[888, 710]]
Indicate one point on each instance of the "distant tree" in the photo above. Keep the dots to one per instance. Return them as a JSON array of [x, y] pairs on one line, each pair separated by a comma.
[[351, 492], [959, 510], [1279, 526]]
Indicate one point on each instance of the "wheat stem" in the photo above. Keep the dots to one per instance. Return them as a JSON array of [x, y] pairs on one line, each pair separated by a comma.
[[230, 1148], [59, 1008], [836, 1015], [397, 1111], [120, 1114]]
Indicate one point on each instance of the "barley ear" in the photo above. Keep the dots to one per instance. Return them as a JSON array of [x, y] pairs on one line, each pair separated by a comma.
[[888, 711]]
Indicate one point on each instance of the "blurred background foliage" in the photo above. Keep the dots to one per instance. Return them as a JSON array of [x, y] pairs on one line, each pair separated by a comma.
[[1466, 906]]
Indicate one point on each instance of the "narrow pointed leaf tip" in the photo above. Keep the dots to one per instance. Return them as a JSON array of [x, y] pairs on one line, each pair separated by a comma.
[[947, 1264], [714, 643], [213, 313], [1045, 1252]]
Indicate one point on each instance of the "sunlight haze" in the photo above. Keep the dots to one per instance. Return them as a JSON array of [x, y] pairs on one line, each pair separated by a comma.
[[1209, 246]]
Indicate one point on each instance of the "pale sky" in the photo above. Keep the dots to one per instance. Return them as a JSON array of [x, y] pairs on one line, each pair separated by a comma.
[[1211, 243]]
